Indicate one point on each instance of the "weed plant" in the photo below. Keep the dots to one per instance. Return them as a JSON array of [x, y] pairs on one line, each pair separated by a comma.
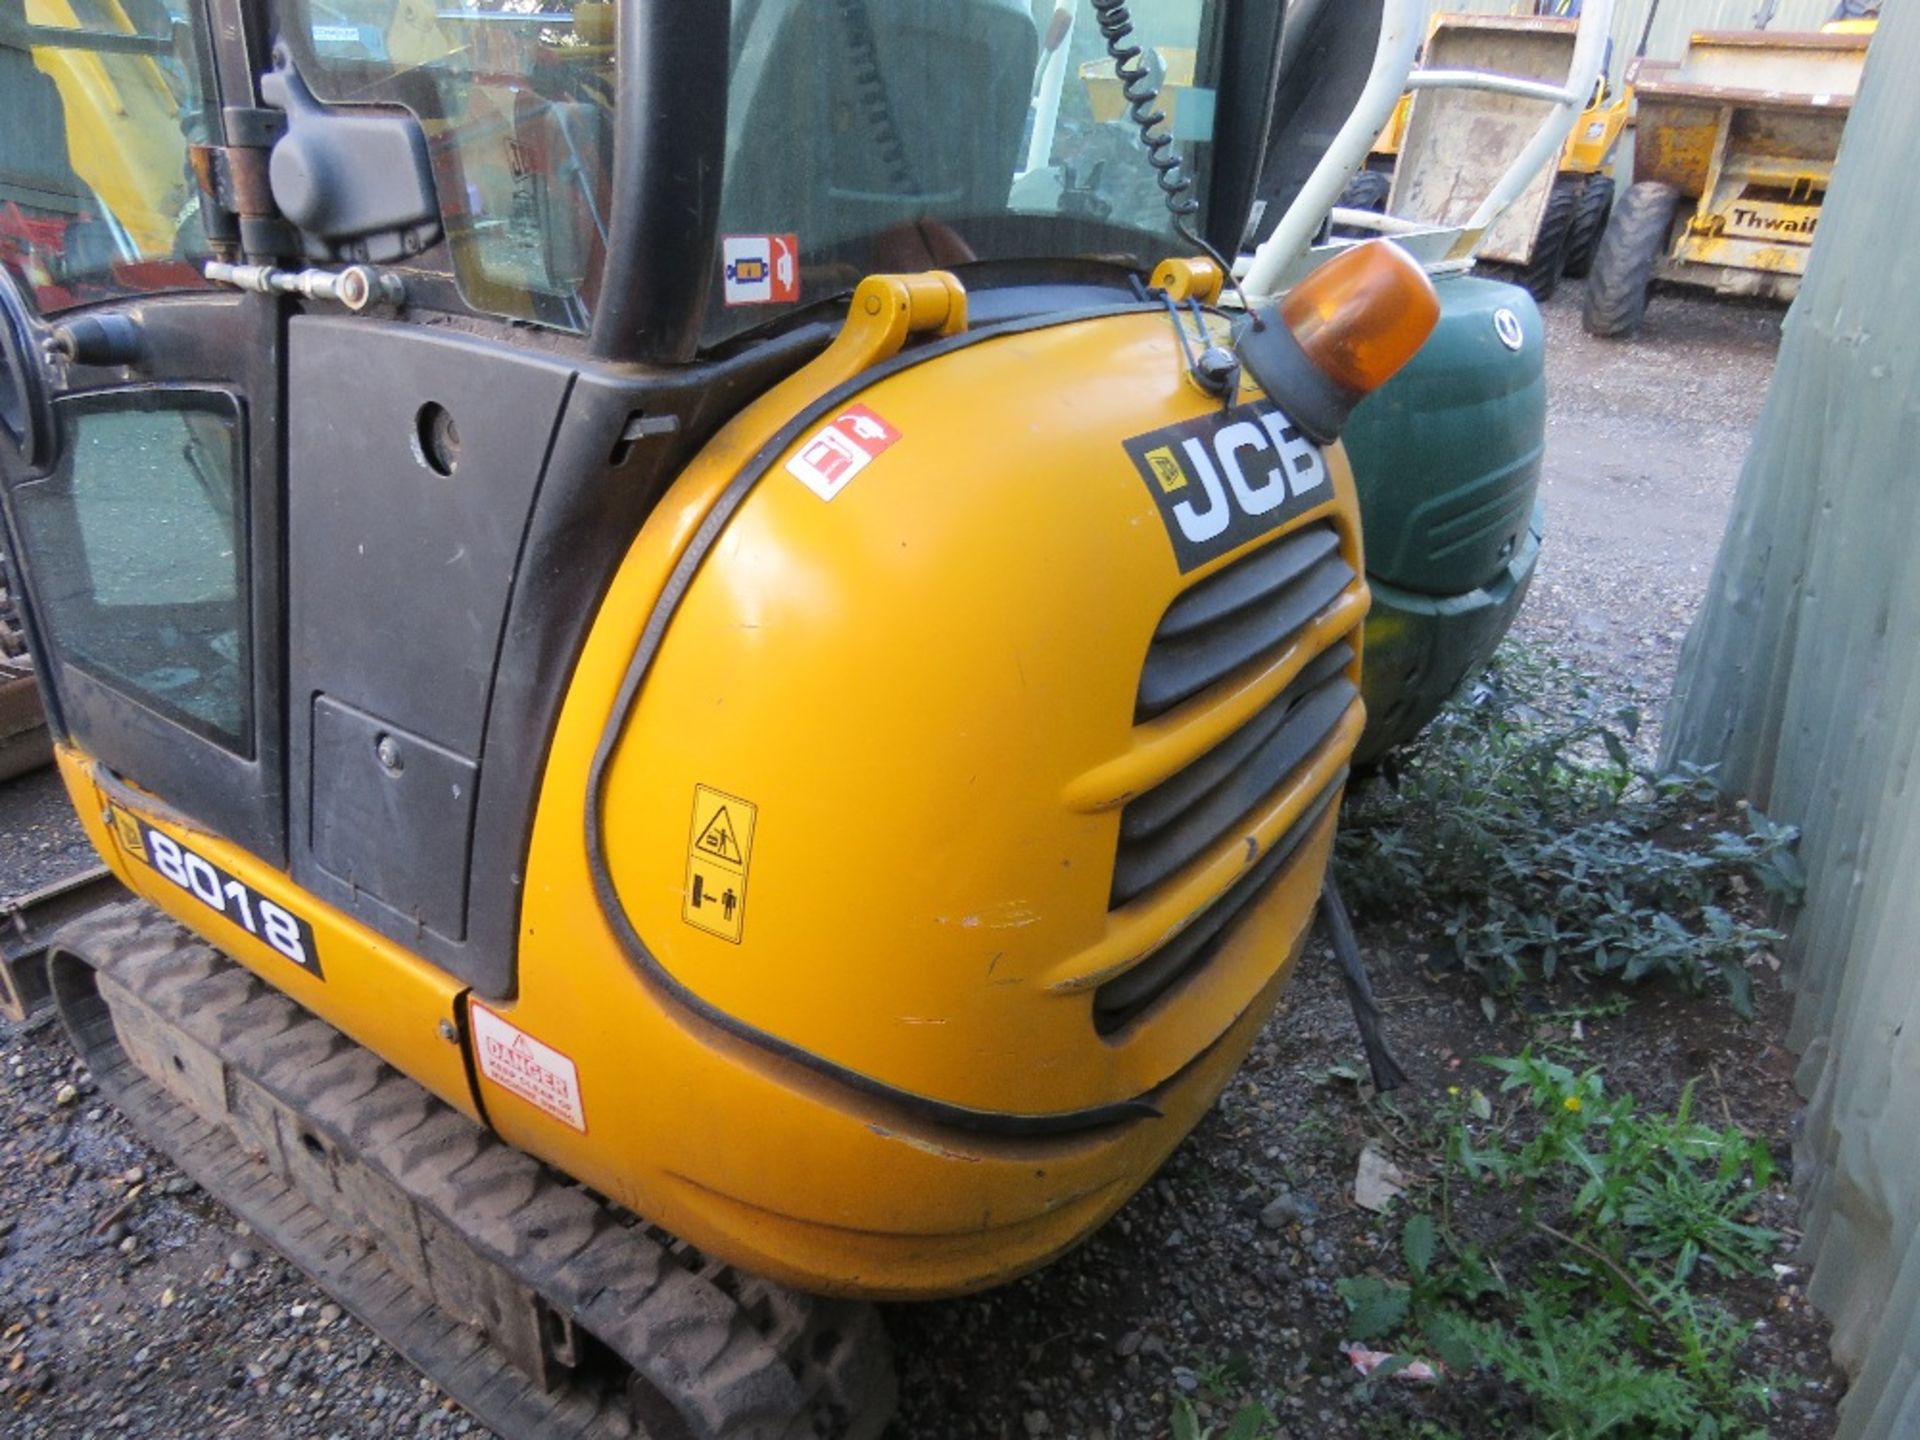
[[1617, 1215], [1218, 1383], [1527, 834]]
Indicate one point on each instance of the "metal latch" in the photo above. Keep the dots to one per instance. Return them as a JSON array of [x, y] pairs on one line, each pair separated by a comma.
[[355, 287]]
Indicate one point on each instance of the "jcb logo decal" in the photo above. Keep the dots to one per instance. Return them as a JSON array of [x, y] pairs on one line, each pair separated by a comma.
[[1227, 478], [1166, 469]]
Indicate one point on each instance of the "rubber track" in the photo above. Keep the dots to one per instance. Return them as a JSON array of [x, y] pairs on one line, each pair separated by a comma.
[[420, 1221]]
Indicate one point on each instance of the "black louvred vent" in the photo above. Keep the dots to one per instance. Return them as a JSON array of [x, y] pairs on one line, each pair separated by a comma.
[[1253, 605], [1252, 609], [1186, 814], [1126, 997]]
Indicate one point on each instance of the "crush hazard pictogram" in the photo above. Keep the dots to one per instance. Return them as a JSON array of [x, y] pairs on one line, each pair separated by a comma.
[[719, 840], [719, 846]]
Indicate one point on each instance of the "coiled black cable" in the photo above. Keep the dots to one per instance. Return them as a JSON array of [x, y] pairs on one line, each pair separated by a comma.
[[1142, 96], [871, 97], [1136, 86]]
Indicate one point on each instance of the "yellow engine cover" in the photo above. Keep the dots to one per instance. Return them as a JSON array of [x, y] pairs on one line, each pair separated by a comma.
[[828, 965]]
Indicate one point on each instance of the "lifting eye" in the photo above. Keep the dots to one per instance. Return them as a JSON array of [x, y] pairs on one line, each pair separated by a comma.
[[436, 440]]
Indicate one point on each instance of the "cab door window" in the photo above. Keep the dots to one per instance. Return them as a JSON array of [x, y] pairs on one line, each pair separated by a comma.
[[100, 101], [139, 545]]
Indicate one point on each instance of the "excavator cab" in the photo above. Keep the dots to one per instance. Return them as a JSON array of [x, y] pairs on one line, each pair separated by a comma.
[[721, 673]]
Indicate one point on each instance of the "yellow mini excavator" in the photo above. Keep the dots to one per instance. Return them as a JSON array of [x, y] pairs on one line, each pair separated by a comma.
[[722, 674]]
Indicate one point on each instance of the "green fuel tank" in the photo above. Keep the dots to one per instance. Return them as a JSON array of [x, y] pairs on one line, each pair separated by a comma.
[[1446, 457]]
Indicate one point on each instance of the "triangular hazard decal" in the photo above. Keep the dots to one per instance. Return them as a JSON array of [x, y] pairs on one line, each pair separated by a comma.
[[718, 839]]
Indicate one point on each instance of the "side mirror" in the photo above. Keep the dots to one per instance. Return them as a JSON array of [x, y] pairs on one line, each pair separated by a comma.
[[356, 182], [27, 434]]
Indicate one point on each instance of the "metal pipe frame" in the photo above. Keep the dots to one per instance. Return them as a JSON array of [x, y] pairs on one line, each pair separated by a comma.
[[1488, 81], [1046, 119], [1403, 25]]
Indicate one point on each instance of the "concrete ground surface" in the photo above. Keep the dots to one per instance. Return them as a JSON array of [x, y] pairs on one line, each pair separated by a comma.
[[132, 1305]]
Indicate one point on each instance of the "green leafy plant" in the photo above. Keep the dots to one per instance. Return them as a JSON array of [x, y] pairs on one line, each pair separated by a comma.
[[1606, 1336], [1527, 831], [1422, 1304], [1251, 1422], [1591, 1372], [1706, 1344], [1562, 1030], [1649, 1186], [1219, 1380], [1581, 1379]]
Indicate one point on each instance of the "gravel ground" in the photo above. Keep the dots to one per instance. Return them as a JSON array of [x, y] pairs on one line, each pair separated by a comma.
[[130, 1304], [133, 1305], [40, 840], [1645, 441]]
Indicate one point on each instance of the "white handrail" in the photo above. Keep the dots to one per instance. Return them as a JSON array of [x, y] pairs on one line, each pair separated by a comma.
[[1487, 80], [1053, 80], [1374, 220], [1402, 24], [1402, 27]]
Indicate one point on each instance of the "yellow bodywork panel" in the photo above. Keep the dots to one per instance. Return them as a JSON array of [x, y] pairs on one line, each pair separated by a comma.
[[123, 129], [1595, 134], [862, 816], [398, 1006], [1738, 252], [1677, 146], [1106, 96], [1388, 141]]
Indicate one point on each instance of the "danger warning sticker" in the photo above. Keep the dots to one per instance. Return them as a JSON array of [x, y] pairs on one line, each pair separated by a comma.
[[521, 1065], [841, 449], [719, 847]]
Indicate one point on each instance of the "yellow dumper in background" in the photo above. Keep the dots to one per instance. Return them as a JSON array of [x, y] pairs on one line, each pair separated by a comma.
[[1733, 151], [1452, 138]]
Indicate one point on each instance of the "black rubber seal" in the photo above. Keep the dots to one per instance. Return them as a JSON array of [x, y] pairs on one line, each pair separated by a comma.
[[960, 1117], [27, 429], [1273, 357]]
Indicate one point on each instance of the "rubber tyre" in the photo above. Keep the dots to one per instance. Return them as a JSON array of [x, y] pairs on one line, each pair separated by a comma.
[[1623, 261], [1541, 273], [1589, 221], [1367, 190]]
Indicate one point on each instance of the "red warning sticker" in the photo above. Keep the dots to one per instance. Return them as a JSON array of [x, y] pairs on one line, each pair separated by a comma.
[[760, 269], [841, 449], [521, 1065]]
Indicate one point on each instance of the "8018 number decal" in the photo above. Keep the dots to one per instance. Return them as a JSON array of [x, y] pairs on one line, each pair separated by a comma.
[[233, 899]]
